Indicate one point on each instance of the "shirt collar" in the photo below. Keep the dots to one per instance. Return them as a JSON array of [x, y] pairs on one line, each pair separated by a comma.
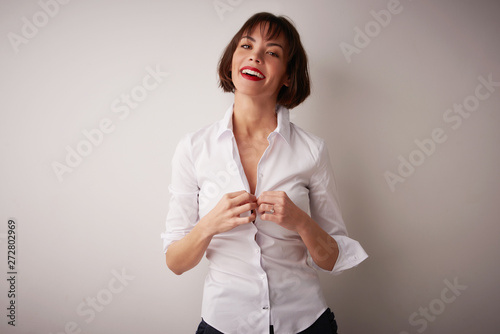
[[283, 128], [226, 123]]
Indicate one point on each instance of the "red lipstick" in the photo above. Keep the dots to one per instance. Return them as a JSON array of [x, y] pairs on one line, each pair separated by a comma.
[[251, 73]]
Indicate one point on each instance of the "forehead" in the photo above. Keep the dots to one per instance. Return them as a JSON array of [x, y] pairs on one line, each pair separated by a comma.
[[265, 30]]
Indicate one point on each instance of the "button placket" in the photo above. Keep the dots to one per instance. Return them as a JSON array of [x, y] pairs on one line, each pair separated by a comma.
[[262, 163]]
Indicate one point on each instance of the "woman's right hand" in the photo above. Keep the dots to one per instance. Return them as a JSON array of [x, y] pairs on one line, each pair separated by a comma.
[[186, 253], [226, 214]]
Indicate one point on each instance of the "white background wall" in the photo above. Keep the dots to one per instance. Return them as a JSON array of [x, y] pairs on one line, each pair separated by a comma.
[[104, 218]]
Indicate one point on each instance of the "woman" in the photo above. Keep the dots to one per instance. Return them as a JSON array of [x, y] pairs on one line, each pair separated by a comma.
[[242, 190]]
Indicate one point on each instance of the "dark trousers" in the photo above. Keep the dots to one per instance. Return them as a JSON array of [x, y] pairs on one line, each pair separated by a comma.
[[325, 324]]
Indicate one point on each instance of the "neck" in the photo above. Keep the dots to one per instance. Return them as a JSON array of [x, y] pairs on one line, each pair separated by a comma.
[[253, 117]]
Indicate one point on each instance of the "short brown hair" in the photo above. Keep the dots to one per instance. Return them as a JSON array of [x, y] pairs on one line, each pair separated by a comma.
[[297, 66]]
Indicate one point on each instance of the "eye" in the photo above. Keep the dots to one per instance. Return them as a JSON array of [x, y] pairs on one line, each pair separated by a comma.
[[245, 46], [273, 54]]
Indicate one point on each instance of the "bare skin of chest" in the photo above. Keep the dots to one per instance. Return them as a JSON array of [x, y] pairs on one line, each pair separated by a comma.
[[251, 150]]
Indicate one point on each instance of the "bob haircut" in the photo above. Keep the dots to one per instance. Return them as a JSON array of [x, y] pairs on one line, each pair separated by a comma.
[[297, 66]]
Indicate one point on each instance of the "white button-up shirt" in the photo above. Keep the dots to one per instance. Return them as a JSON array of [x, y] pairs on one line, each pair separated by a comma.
[[260, 274]]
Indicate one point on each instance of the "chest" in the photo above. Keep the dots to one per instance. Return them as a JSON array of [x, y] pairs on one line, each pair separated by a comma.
[[250, 152], [228, 166]]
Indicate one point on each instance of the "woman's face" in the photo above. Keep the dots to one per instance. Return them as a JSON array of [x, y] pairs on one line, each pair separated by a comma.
[[259, 65]]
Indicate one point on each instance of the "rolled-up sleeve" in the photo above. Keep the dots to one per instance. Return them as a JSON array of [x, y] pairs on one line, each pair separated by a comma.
[[325, 210], [183, 207]]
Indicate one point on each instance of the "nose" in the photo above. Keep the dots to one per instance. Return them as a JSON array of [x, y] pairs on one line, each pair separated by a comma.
[[256, 59], [256, 56]]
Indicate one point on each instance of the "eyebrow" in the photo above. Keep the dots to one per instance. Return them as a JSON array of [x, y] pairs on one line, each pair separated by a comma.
[[268, 44]]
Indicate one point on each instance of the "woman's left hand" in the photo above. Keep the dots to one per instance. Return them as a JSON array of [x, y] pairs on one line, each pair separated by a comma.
[[277, 207]]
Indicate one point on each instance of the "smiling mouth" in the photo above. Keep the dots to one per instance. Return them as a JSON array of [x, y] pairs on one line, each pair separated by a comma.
[[252, 73]]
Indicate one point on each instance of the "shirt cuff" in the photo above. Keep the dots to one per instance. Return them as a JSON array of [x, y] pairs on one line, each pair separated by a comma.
[[350, 255]]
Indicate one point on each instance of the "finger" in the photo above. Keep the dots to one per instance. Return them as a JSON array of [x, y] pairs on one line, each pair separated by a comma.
[[269, 217], [244, 197], [263, 208], [244, 208], [235, 194], [272, 193], [267, 199], [276, 193], [273, 197], [245, 220]]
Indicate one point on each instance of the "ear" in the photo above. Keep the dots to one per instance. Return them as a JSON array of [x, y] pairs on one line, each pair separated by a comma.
[[287, 81]]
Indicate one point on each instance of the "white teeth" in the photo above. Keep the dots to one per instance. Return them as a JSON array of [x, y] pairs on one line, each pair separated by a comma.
[[257, 74]]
